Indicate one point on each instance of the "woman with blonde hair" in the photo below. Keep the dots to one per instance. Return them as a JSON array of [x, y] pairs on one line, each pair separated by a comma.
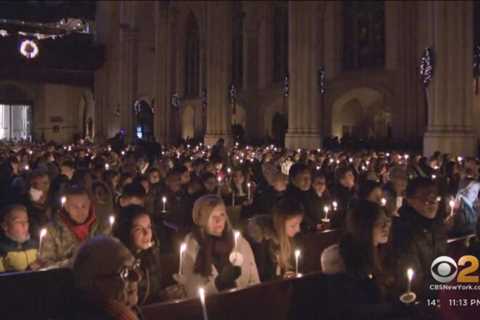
[[215, 258], [272, 238]]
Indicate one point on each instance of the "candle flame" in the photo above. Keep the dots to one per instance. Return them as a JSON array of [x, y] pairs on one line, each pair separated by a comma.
[[201, 293], [335, 204], [164, 199], [452, 203], [384, 202], [43, 233], [326, 208], [410, 274], [63, 200], [297, 253], [111, 219], [183, 247], [236, 234]]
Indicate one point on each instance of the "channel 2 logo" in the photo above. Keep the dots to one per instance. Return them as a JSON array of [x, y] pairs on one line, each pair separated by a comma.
[[444, 269]]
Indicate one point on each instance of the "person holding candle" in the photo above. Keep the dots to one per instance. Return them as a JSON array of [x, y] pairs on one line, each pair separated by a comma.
[[74, 224], [18, 252], [345, 194], [272, 239], [38, 201], [360, 280], [275, 191], [418, 236], [318, 198], [209, 246], [394, 190], [134, 229]]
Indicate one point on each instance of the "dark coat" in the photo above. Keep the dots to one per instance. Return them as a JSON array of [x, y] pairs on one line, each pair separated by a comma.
[[416, 242]]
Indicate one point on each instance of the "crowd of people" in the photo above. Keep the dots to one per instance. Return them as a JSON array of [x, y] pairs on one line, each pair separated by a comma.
[[109, 212]]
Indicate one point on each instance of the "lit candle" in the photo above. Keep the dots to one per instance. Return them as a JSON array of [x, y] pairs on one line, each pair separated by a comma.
[[388, 154], [350, 160], [249, 191], [63, 200], [229, 171], [236, 235], [452, 206], [164, 202], [107, 166], [123, 153], [434, 177], [111, 220], [439, 199], [27, 167], [326, 209], [460, 159], [406, 156], [410, 277], [297, 257], [183, 248], [201, 293], [43, 233], [335, 205], [383, 202]]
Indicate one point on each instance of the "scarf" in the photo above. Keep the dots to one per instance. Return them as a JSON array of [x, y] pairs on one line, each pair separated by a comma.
[[213, 251], [81, 231]]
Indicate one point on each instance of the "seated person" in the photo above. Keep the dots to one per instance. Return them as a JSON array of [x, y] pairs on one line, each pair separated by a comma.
[[418, 236], [18, 252], [360, 281], [207, 257], [74, 224], [272, 239], [106, 281], [134, 229]]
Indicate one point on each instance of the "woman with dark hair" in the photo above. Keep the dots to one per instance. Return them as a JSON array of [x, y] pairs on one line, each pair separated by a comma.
[[371, 191], [359, 277], [215, 258], [272, 239], [134, 229]]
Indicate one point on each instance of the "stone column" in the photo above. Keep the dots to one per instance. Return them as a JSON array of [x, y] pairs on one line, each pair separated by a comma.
[[450, 93], [161, 72], [127, 72], [250, 71], [303, 102], [219, 62]]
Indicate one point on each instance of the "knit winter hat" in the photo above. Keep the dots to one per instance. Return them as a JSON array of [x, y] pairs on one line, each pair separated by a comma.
[[202, 208]]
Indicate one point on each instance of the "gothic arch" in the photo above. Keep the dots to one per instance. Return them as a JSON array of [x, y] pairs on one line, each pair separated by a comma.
[[362, 112]]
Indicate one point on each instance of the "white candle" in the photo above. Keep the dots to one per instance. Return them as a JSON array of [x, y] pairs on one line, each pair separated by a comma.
[[297, 257], [183, 248], [236, 235], [383, 202], [452, 206], [111, 220], [201, 293], [410, 277], [335, 205], [326, 209], [249, 191], [43, 233], [164, 202]]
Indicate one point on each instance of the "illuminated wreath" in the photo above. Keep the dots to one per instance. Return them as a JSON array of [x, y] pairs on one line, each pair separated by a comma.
[[29, 49]]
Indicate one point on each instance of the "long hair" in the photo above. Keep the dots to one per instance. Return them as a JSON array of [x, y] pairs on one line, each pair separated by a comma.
[[123, 226], [286, 209], [357, 249], [202, 210]]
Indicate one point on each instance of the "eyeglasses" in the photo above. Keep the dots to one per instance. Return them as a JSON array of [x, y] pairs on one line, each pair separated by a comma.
[[127, 273]]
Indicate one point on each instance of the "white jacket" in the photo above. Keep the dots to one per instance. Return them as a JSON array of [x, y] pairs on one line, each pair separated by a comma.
[[192, 281]]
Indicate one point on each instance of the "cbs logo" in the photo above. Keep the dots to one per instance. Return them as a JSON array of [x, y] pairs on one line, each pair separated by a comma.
[[444, 269]]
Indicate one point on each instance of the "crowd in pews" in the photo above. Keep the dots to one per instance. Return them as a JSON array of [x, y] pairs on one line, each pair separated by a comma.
[[139, 226]]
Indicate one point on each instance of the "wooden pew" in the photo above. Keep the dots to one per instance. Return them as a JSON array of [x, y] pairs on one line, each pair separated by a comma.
[[312, 245], [35, 295], [270, 300]]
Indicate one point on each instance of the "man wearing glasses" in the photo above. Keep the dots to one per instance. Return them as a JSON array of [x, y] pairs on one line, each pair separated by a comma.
[[106, 277], [418, 235]]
